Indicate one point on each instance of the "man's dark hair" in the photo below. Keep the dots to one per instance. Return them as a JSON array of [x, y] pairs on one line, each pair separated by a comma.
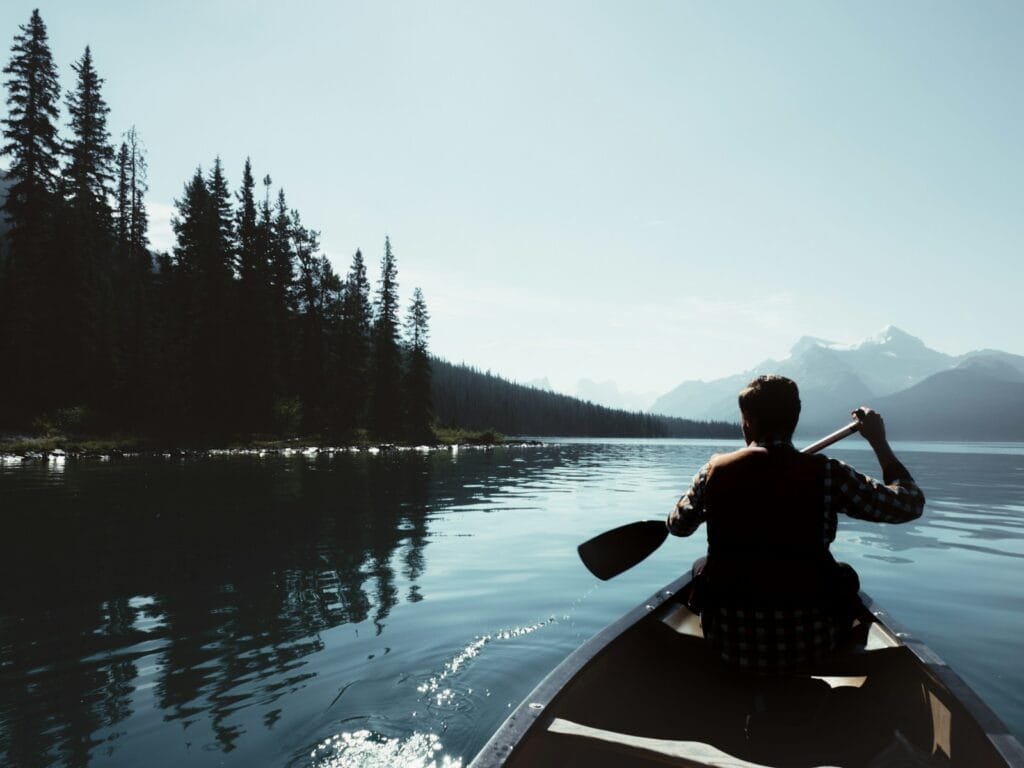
[[772, 403]]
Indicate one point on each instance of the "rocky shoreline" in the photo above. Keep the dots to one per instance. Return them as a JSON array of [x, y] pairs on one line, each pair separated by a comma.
[[57, 455]]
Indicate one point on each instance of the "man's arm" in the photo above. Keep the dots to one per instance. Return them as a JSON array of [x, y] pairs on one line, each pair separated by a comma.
[[896, 499], [689, 512], [872, 429]]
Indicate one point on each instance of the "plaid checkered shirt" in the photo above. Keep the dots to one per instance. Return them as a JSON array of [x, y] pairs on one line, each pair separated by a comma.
[[778, 639]]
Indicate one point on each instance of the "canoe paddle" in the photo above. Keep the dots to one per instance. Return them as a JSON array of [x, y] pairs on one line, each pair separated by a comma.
[[612, 552]]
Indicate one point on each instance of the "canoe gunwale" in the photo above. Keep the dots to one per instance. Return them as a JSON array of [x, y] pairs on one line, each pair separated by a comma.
[[535, 706], [997, 732]]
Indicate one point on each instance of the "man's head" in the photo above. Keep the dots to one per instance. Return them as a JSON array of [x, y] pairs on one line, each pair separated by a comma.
[[770, 407]]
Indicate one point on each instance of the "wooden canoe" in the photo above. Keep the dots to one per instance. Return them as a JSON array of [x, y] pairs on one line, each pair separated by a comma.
[[646, 692]]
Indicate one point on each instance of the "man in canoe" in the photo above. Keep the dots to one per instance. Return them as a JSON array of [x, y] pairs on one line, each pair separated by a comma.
[[770, 594]]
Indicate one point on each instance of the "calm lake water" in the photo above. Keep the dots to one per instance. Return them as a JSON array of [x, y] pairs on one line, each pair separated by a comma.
[[381, 610]]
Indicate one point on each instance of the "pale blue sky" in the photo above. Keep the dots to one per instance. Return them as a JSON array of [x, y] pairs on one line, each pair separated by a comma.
[[643, 192]]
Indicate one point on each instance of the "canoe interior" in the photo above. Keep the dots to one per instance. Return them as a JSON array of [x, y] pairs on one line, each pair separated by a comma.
[[645, 693]]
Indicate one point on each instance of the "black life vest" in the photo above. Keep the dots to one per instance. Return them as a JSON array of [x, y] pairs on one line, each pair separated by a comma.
[[765, 525]]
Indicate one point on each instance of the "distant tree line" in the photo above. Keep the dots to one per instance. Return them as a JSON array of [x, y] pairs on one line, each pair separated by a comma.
[[468, 398], [244, 328]]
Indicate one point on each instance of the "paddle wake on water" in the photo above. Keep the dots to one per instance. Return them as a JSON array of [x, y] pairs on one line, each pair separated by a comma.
[[364, 748]]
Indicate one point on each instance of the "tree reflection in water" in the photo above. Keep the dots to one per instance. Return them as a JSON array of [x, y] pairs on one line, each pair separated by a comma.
[[206, 582]]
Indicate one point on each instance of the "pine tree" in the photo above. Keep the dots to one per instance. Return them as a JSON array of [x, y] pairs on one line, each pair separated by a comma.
[[133, 278], [186, 286], [281, 262], [28, 326], [418, 407], [122, 196], [138, 230], [221, 221], [84, 288], [30, 136], [188, 225], [204, 256], [89, 175], [386, 394], [255, 394], [246, 224], [317, 291], [131, 221], [352, 358], [221, 317]]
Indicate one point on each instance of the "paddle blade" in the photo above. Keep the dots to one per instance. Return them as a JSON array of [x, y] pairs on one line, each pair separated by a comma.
[[621, 548]]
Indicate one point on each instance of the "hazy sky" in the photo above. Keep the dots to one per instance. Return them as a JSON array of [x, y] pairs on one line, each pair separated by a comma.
[[642, 192]]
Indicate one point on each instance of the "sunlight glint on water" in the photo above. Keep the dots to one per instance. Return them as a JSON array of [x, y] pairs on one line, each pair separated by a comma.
[[363, 749]]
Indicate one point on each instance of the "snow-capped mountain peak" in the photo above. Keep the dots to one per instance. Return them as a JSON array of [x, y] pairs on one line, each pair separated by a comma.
[[891, 336], [805, 343], [892, 369]]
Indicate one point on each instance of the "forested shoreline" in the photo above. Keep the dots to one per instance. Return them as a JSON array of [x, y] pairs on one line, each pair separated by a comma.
[[244, 330], [482, 401]]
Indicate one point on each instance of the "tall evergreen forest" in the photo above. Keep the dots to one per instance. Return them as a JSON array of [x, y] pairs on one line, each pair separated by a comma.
[[243, 329]]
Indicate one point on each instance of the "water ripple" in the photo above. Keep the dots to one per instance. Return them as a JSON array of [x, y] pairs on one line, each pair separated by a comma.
[[444, 695], [365, 749]]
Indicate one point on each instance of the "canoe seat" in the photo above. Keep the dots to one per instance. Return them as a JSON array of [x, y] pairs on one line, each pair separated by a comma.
[[656, 751], [679, 617]]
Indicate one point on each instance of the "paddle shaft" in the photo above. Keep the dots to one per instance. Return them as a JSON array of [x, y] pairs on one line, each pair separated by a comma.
[[612, 552], [835, 437]]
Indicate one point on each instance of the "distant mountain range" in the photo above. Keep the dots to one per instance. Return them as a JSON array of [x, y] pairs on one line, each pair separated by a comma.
[[922, 393], [606, 393]]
